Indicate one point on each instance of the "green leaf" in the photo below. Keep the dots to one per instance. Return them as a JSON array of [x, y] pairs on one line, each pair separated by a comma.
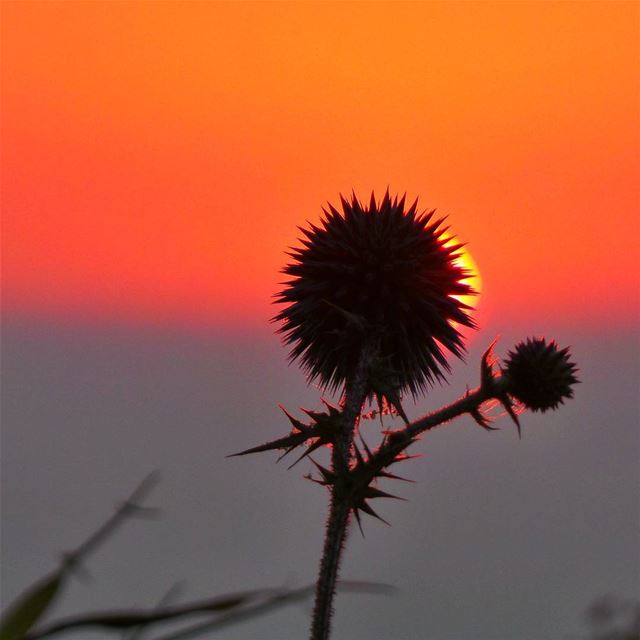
[[30, 606]]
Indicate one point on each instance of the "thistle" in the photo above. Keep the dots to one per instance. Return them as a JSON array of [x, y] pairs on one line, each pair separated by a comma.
[[539, 374], [384, 274], [372, 308]]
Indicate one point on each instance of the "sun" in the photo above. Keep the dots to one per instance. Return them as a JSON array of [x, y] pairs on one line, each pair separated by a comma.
[[466, 262]]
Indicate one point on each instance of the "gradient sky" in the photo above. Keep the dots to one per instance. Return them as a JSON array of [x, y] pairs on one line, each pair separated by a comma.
[[158, 156], [156, 160]]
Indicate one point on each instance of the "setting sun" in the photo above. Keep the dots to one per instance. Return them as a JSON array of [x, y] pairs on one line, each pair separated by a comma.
[[474, 279], [467, 262]]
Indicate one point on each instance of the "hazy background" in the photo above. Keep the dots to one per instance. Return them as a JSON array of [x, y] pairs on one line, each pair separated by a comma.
[[157, 158], [500, 538]]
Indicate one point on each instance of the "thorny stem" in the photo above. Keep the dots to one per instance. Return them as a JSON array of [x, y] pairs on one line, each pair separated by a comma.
[[335, 538], [394, 444], [356, 391], [399, 440]]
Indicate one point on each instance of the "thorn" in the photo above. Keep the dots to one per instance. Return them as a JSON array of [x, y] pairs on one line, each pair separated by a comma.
[[482, 420], [310, 449], [328, 476], [366, 447], [308, 476], [487, 376], [372, 492], [357, 516], [301, 426], [314, 415], [333, 410], [286, 453], [290, 441], [393, 476], [363, 506], [508, 405]]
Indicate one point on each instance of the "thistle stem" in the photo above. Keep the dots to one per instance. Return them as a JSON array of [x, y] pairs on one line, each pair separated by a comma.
[[335, 538], [469, 402], [399, 440], [356, 391]]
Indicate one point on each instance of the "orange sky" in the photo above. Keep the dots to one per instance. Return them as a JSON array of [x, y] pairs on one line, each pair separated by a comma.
[[157, 156]]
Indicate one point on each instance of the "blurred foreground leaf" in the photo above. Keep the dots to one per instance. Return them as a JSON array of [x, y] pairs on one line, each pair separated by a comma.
[[31, 605], [222, 611]]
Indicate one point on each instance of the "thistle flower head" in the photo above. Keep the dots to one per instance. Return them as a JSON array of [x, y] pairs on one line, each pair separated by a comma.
[[380, 273], [540, 375]]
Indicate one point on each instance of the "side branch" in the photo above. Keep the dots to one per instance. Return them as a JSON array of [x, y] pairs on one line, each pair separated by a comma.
[[398, 441]]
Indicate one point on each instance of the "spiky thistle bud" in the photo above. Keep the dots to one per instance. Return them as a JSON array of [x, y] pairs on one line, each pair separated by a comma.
[[540, 375], [380, 273]]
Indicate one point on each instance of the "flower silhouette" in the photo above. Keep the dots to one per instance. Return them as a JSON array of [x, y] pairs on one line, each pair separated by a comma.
[[381, 274], [539, 374]]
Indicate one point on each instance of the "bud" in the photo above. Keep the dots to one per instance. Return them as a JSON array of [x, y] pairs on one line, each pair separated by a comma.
[[539, 375]]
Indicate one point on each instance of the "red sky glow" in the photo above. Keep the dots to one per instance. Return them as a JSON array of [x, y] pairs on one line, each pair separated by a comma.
[[157, 157]]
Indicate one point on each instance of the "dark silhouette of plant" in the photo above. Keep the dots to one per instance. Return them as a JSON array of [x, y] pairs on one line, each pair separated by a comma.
[[377, 279], [371, 306]]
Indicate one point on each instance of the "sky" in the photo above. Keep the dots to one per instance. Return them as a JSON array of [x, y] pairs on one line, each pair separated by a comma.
[[157, 158]]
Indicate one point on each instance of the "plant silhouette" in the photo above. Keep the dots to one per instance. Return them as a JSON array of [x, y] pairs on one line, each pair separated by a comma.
[[371, 307]]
